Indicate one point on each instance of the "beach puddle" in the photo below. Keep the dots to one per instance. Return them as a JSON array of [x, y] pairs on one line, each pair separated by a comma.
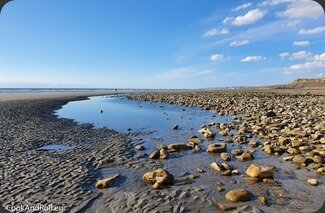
[[151, 124], [55, 148]]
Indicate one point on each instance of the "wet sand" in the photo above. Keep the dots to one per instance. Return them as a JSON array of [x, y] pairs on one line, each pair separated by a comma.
[[67, 178]]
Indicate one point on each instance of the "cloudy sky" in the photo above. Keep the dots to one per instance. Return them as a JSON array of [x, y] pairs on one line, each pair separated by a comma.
[[160, 43]]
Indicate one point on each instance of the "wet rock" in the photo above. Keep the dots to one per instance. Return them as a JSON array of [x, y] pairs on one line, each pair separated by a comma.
[[254, 143], [217, 148], [160, 177], [155, 155], [175, 127], [287, 158], [284, 141], [251, 180], [236, 152], [140, 147], [238, 195], [179, 146], [200, 170], [226, 173], [258, 171], [270, 114], [216, 167], [207, 133], [235, 172], [107, 182], [194, 142], [268, 149], [313, 182], [246, 156], [270, 181], [163, 154], [225, 156], [298, 159], [263, 200], [226, 207], [219, 189]]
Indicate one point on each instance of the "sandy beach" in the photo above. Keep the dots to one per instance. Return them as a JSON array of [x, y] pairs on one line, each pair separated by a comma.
[[67, 179]]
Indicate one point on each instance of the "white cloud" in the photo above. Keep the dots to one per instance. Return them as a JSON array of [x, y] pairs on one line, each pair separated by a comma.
[[320, 75], [317, 64], [274, 2], [249, 18], [243, 6], [301, 43], [214, 32], [301, 55], [253, 58], [239, 43], [227, 20], [316, 30], [302, 9], [216, 57], [284, 55]]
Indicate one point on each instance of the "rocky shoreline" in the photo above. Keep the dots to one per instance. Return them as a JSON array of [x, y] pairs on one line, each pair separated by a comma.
[[289, 125]]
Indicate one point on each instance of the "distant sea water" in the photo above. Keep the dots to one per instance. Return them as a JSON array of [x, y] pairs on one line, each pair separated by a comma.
[[38, 90]]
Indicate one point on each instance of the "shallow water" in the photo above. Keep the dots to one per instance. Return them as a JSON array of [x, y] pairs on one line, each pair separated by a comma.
[[157, 120], [55, 148]]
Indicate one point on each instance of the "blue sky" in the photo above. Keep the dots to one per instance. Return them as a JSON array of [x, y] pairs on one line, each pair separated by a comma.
[[160, 44]]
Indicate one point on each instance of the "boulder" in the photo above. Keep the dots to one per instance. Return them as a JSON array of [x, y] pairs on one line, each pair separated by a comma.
[[217, 148], [238, 195], [258, 171], [107, 182], [158, 178]]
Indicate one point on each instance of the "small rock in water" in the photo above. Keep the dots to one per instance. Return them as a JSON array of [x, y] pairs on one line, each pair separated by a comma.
[[175, 127], [216, 167], [263, 200], [226, 207], [238, 195], [313, 182], [163, 154], [217, 148], [200, 170], [246, 156], [224, 156], [140, 147], [107, 182]]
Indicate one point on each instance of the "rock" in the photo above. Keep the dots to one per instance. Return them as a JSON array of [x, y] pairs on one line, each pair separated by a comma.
[[224, 156], [216, 167], [251, 180], [161, 146], [235, 172], [257, 171], [163, 154], [238, 195], [107, 182], [298, 159], [158, 178], [313, 182], [254, 143], [270, 181], [226, 207], [219, 189], [200, 170], [246, 156], [262, 200], [270, 114], [217, 148], [316, 136], [287, 158], [295, 143], [236, 152], [283, 141], [226, 173], [140, 147], [179, 146], [154, 155], [207, 133], [194, 142], [175, 127], [268, 149]]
